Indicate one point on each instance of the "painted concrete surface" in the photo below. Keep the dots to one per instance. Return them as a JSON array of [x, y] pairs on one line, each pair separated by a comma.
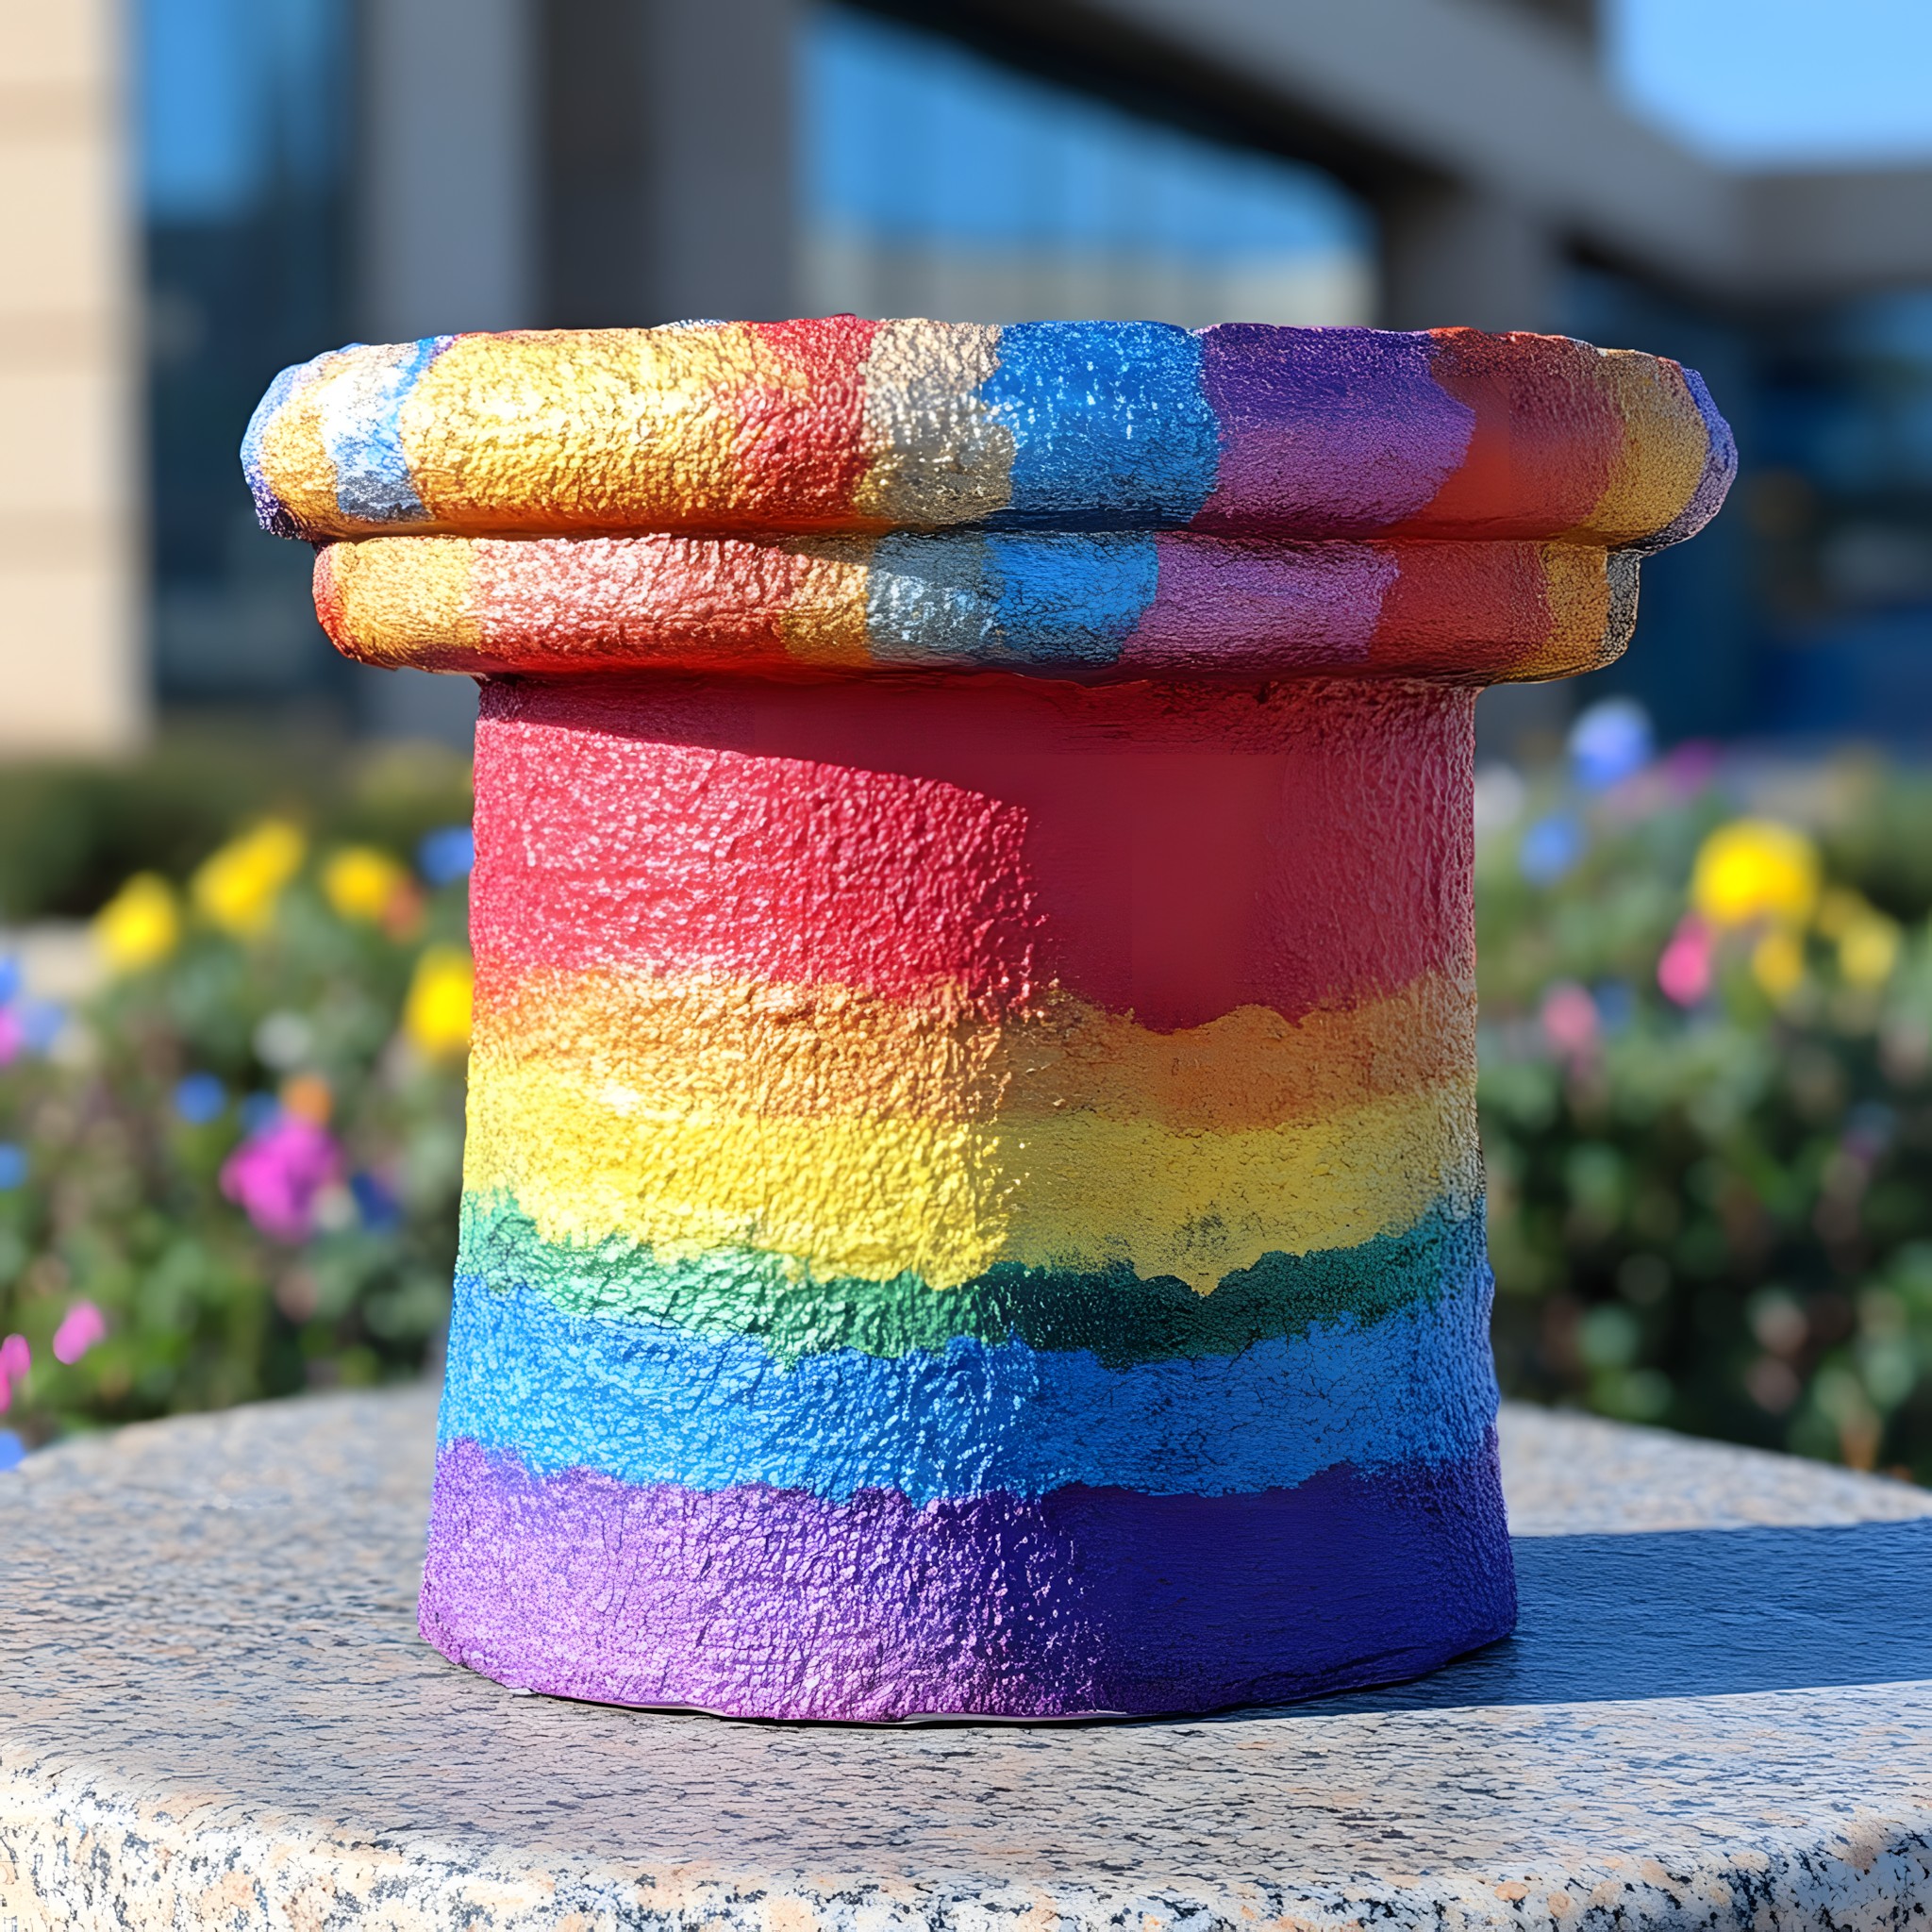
[[823, 1029], [1085, 500], [971, 848], [1717, 1711]]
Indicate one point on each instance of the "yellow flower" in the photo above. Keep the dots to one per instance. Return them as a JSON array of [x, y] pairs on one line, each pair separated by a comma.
[[139, 925], [1839, 910], [436, 1014], [1754, 869], [1868, 949], [1869, 943], [361, 883], [1777, 962], [237, 887]]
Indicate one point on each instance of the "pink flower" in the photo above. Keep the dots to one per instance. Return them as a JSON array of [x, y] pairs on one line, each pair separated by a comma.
[[13, 1036], [1569, 1019], [1683, 971], [1692, 766], [16, 1359], [275, 1175], [81, 1326]]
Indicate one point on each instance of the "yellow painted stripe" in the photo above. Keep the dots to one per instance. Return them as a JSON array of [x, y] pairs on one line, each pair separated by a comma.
[[1665, 448], [294, 458], [947, 1200], [409, 601], [1584, 635], [824, 622], [649, 418], [681, 1044]]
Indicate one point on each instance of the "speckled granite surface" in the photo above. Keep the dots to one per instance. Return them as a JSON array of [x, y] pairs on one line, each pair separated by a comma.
[[216, 1713]]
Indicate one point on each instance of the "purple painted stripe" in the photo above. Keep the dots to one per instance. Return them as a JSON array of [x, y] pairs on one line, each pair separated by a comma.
[[1341, 430], [773, 1603], [1216, 605]]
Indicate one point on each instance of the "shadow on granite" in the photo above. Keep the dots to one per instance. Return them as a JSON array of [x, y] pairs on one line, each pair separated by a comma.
[[1694, 1613]]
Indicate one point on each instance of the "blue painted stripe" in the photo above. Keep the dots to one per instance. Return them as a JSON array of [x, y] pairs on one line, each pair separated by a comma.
[[1110, 423], [271, 511], [649, 1404], [1007, 598], [361, 430]]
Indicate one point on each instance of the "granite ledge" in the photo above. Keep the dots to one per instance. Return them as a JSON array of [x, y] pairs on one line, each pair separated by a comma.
[[1719, 1713]]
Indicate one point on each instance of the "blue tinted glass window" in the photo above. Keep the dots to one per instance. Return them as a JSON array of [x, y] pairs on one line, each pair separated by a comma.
[[245, 113], [938, 181]]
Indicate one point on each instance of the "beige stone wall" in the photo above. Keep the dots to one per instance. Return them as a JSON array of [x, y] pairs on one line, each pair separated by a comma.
[[71, 672]]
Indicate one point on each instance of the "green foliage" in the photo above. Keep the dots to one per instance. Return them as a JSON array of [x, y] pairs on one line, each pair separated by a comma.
[[1714, 1211], [117, 1135], [74, 831]]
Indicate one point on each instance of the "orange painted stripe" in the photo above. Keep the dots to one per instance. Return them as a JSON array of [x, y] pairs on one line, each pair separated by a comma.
[[684, 1044]]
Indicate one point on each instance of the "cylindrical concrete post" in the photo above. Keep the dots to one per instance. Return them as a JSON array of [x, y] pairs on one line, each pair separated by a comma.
[[973, 1203]]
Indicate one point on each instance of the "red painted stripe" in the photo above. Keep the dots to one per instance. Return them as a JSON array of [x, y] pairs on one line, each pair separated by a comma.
[[802, 461], [689, 602], [1547, 435], [1173, 852], [329, 599], [1495, 593]]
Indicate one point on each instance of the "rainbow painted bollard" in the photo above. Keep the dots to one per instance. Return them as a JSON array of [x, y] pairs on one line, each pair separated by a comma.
[[973, 1203]]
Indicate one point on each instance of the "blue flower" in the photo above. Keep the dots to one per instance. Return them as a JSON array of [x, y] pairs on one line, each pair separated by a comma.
[[1550, 848], [1609, 742], [12, 1166], [41, 1021], [200, 1098], [13, 1450], [446, 854], [10, 977], [379, 1209], [1616, 1004]]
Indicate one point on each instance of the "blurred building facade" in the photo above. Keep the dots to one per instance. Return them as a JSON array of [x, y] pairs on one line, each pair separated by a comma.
[[316, 170], [72, 673]]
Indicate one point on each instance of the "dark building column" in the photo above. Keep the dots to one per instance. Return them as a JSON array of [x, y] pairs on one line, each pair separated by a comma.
[[670, 138], [446, 215], [446, 159], [1463, 254]]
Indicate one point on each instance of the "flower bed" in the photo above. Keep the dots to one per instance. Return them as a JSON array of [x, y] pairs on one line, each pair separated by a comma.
[[231, 1169], [1706, 1093]]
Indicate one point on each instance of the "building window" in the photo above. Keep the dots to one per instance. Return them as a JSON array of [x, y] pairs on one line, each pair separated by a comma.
[[245, 111], [940, 182]]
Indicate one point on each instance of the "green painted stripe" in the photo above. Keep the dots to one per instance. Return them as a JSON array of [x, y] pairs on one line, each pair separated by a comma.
[[1122, 1319]]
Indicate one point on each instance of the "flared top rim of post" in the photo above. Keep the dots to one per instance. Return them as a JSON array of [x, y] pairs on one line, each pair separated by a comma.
[[1096, 499], [839, 424]]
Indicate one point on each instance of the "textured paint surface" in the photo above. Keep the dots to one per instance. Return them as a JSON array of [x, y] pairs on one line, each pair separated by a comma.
[[1112, 1314], [1716, 1713], [931, 1147], [948, 1201], [1052, 603], [842, 424], [1247, 501], [657, 1406], [1083, 1599], [972, 1197], [1172, 853]]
